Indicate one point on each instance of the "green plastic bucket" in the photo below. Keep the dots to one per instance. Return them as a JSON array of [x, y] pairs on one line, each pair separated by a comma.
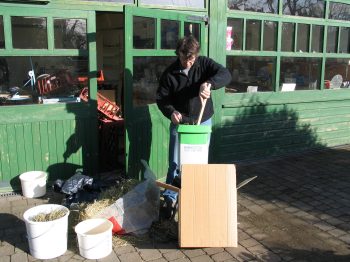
[[194, 146]]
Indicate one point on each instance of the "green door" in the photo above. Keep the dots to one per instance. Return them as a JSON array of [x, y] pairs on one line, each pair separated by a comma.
[[150, 41]]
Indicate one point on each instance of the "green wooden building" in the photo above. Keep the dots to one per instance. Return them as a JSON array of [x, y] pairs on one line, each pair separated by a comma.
[[290, 88]]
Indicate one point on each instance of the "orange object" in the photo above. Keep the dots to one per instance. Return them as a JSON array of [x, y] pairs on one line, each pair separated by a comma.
[[100, 78], [47, 83]]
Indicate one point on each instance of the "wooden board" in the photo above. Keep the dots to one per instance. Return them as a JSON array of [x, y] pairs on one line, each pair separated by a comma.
[[208, 206]]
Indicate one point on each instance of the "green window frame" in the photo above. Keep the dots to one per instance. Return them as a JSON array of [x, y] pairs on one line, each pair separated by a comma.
[[297, 21]]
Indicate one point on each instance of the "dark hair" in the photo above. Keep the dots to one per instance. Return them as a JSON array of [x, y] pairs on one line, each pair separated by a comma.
[[187, 46]]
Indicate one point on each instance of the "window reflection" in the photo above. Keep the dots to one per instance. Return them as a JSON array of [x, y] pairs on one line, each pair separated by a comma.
[[253, 35], [2, 37], [270, 36], [147, 72], [251, 74], [254, 5], [192, 29], [339, 11], [288, 37], [144, 32], [344, 45], [303, 37], [29, 32], [170, 34], [317, 39], [53, 79], [302, 73], [309, 8], [332, 37], [183, 3], [70, 33], [337, 73], [236, 32]]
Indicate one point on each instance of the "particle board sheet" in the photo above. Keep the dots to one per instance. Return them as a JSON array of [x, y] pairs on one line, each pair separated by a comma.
[[208, 206]]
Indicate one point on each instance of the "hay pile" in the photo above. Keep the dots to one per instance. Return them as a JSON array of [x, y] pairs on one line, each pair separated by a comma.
[[45, 217]]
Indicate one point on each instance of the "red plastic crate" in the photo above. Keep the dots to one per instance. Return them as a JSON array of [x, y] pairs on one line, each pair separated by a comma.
[[104, 106]]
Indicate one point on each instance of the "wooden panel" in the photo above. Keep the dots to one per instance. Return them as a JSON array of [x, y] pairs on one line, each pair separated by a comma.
[[208, 206]]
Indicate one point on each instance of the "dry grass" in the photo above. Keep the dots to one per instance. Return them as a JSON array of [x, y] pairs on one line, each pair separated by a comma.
[[45, 217]]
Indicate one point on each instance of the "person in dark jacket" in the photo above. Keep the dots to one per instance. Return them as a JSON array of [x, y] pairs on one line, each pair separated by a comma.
[[183, 87]]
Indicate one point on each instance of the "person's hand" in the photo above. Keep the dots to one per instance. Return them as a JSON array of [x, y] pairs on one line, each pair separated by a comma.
[[204, 91], [176, 117]]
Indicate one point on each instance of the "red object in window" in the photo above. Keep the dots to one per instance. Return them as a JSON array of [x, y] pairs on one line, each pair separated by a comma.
[[327, 84], [47, 84], [100, 78]]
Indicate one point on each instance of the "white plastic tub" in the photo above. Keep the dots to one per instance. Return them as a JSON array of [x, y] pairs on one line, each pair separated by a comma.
[[46, 239], [33, 183], [94, 238]]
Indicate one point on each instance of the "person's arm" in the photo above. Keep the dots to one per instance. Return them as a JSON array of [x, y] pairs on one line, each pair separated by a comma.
[[163, 97], [219, 76]]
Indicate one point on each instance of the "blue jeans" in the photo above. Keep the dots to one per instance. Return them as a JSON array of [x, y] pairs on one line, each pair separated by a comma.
[[174, 168]]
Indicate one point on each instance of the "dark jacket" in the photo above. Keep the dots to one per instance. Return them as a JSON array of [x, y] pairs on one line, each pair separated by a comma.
[[180, 92]]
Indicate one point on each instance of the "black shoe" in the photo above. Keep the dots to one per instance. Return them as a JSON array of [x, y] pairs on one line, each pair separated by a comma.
[[166, 209]]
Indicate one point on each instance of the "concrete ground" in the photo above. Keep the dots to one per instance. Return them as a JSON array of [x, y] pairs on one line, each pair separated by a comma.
[[297, 209]]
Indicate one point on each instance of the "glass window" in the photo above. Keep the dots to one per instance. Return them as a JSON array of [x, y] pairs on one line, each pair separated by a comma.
[[28, 80], [288, 37], [251, 74], [309, 8], [303, 37], [2, 36], [147, 72], [332, 39], [193, 29], [113, 1], [144, 32], [317, 39], [270, 36], [270, 6], [235, 31], [337, 73], [344, 45], [183, 3], [339, 11], [29, 32], [70, 33], [253, 35], [170, 34], [300, 73]]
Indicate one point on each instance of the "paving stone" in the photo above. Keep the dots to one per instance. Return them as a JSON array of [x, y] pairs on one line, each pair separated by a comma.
[[149, 254], [269, 256], [124, 249], [324, 226], [337, 232], [185, 259], [130, 257], [159, 260], [5, 258], [258, 249], [173, 255], [67, 257], [166, 247], [223, 256], [260, 236], [112, 257], [7, 250], [249, 243], [213, 250], [240, 253], [256, 209], [203, 258], [193, 252], [19, 257]]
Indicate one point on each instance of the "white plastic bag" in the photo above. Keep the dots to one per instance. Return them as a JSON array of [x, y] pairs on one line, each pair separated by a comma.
[[136, 210]]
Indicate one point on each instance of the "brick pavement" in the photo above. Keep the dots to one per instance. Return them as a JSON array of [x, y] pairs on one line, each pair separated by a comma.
[[297, 209]]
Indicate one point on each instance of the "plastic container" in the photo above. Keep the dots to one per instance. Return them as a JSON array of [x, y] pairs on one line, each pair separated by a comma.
[[94, 238], [194, 143], [46, 239], [33, 183]]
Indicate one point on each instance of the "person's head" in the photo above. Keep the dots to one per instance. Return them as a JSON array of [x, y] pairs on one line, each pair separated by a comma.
[[187, 50]]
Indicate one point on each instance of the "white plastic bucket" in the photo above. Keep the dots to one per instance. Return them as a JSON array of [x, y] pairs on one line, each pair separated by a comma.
[[46, 239], [94, 238], [33, 183]]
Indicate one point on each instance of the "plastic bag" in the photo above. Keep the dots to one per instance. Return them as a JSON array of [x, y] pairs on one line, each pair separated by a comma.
[[136, 210], [76, 182]]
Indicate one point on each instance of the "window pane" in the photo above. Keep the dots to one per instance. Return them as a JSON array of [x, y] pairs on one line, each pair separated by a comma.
[[288, 37], [193, 29], [332, 38], [344, 45], [339, 11], [113, 1], [337, 73], [144, 33], [317, 38], [70, 33], [147, 72], [2, 37], [236, 33], [251, 74], [183, 3], [29, 32], [303, 37], [254, 5], [304, 73], [170, 34], [270, 36], [253, 35], [309, 8], [56, 79]]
